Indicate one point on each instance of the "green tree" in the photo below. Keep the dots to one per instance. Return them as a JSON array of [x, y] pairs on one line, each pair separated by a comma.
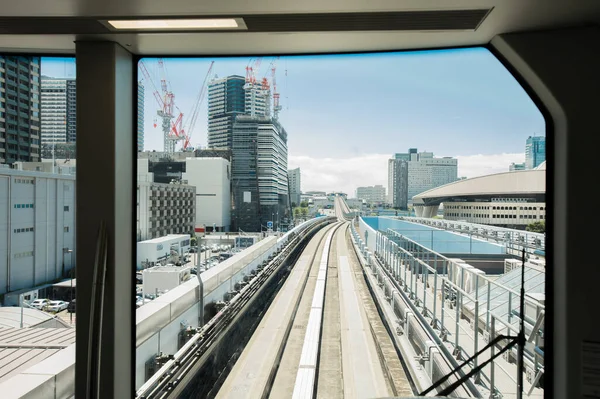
[[304, 204], [294, 205], [536, 227], [193, 241]]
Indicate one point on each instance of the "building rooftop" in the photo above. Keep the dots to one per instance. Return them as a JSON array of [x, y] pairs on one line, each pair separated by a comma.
[[162, 239], [166, 269], [11, 317], [22, 348]]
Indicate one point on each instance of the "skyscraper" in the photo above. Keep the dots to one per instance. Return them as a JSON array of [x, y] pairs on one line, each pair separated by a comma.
[[58, 110], [294, 181], [259, 173], [226, 100], [140, 117], [20, 122], [535, 151], [398, 183]]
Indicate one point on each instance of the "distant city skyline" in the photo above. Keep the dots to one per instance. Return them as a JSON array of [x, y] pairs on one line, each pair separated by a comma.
[[347, 114]]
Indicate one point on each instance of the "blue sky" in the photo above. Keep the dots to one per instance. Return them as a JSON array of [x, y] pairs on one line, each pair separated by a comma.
[[345, 114]]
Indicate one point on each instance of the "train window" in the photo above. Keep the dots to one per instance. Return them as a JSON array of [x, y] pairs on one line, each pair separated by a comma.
[[37, 257], [333, 175]]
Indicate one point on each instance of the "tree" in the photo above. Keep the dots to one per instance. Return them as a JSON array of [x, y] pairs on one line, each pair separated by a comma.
[[193, 241], [536, 227], [304, 204], [294, 205]]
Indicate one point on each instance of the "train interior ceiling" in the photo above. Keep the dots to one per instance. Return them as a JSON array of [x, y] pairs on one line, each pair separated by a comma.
[[552, 48]]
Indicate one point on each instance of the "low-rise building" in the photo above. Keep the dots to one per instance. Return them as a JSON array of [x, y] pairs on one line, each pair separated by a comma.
[[371, 194], [162, 250]]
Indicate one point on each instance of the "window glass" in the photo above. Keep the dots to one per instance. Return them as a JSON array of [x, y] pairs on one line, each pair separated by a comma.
[[37, 259], [239, 151]]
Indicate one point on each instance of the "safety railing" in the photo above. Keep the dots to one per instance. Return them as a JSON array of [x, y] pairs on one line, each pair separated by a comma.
[[458, 301]]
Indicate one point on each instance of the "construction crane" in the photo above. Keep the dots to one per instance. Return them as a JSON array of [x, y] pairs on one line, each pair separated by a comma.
[[166, 102], [276, 106], [186, 131]]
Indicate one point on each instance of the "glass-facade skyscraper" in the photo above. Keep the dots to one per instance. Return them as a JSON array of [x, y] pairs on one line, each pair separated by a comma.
[[226, 100], [535, 151], [259, 174]]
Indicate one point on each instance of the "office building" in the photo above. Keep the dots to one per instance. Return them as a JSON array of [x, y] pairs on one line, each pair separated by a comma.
[[398, 170], [58, 110], [259, 174], [294, 181], [163, 208], [425, 172], [19, 109], [226, 100], [516, 166], [371, 194], [71, 110], [37, 227], [212, 179], [140, 117], [535, 151]]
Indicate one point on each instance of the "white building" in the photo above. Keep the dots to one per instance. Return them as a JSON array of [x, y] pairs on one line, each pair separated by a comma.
[[163, 208], [212, 179], [371, 194], [295, 183], [58, 110], [160, 279], [152, 252], [426, 172], [258, 99], [37, 228]]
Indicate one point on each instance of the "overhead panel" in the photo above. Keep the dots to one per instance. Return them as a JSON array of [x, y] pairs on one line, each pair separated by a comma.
[[428, 20]]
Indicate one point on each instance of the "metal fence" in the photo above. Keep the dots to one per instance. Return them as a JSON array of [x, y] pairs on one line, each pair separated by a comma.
[[467, 310]]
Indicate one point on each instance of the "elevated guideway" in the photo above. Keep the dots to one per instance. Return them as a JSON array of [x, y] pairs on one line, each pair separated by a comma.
[[322, 335]]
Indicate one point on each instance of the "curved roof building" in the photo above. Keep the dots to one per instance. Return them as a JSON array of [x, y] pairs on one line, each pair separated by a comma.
[[511, 199]]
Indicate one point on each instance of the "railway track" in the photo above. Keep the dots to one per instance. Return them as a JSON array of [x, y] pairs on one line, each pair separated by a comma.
[[176, 375]]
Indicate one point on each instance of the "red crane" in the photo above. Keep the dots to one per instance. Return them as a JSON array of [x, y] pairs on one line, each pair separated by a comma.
[[185, 132], [166, 102]]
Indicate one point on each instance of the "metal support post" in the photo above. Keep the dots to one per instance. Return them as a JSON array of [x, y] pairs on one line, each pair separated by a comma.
[[425, 290], [493, 363], [443, 307], [487, 312], [456, 347]]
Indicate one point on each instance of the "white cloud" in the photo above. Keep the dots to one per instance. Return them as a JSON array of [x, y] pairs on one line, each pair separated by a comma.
[[331, 174], [480, 165]]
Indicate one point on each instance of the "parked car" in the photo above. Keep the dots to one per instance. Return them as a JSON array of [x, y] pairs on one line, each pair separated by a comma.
[[56, 306], [71, 308], [39, 303]]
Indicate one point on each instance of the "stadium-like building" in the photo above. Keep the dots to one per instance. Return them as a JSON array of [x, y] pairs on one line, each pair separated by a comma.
[[511, 199]]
